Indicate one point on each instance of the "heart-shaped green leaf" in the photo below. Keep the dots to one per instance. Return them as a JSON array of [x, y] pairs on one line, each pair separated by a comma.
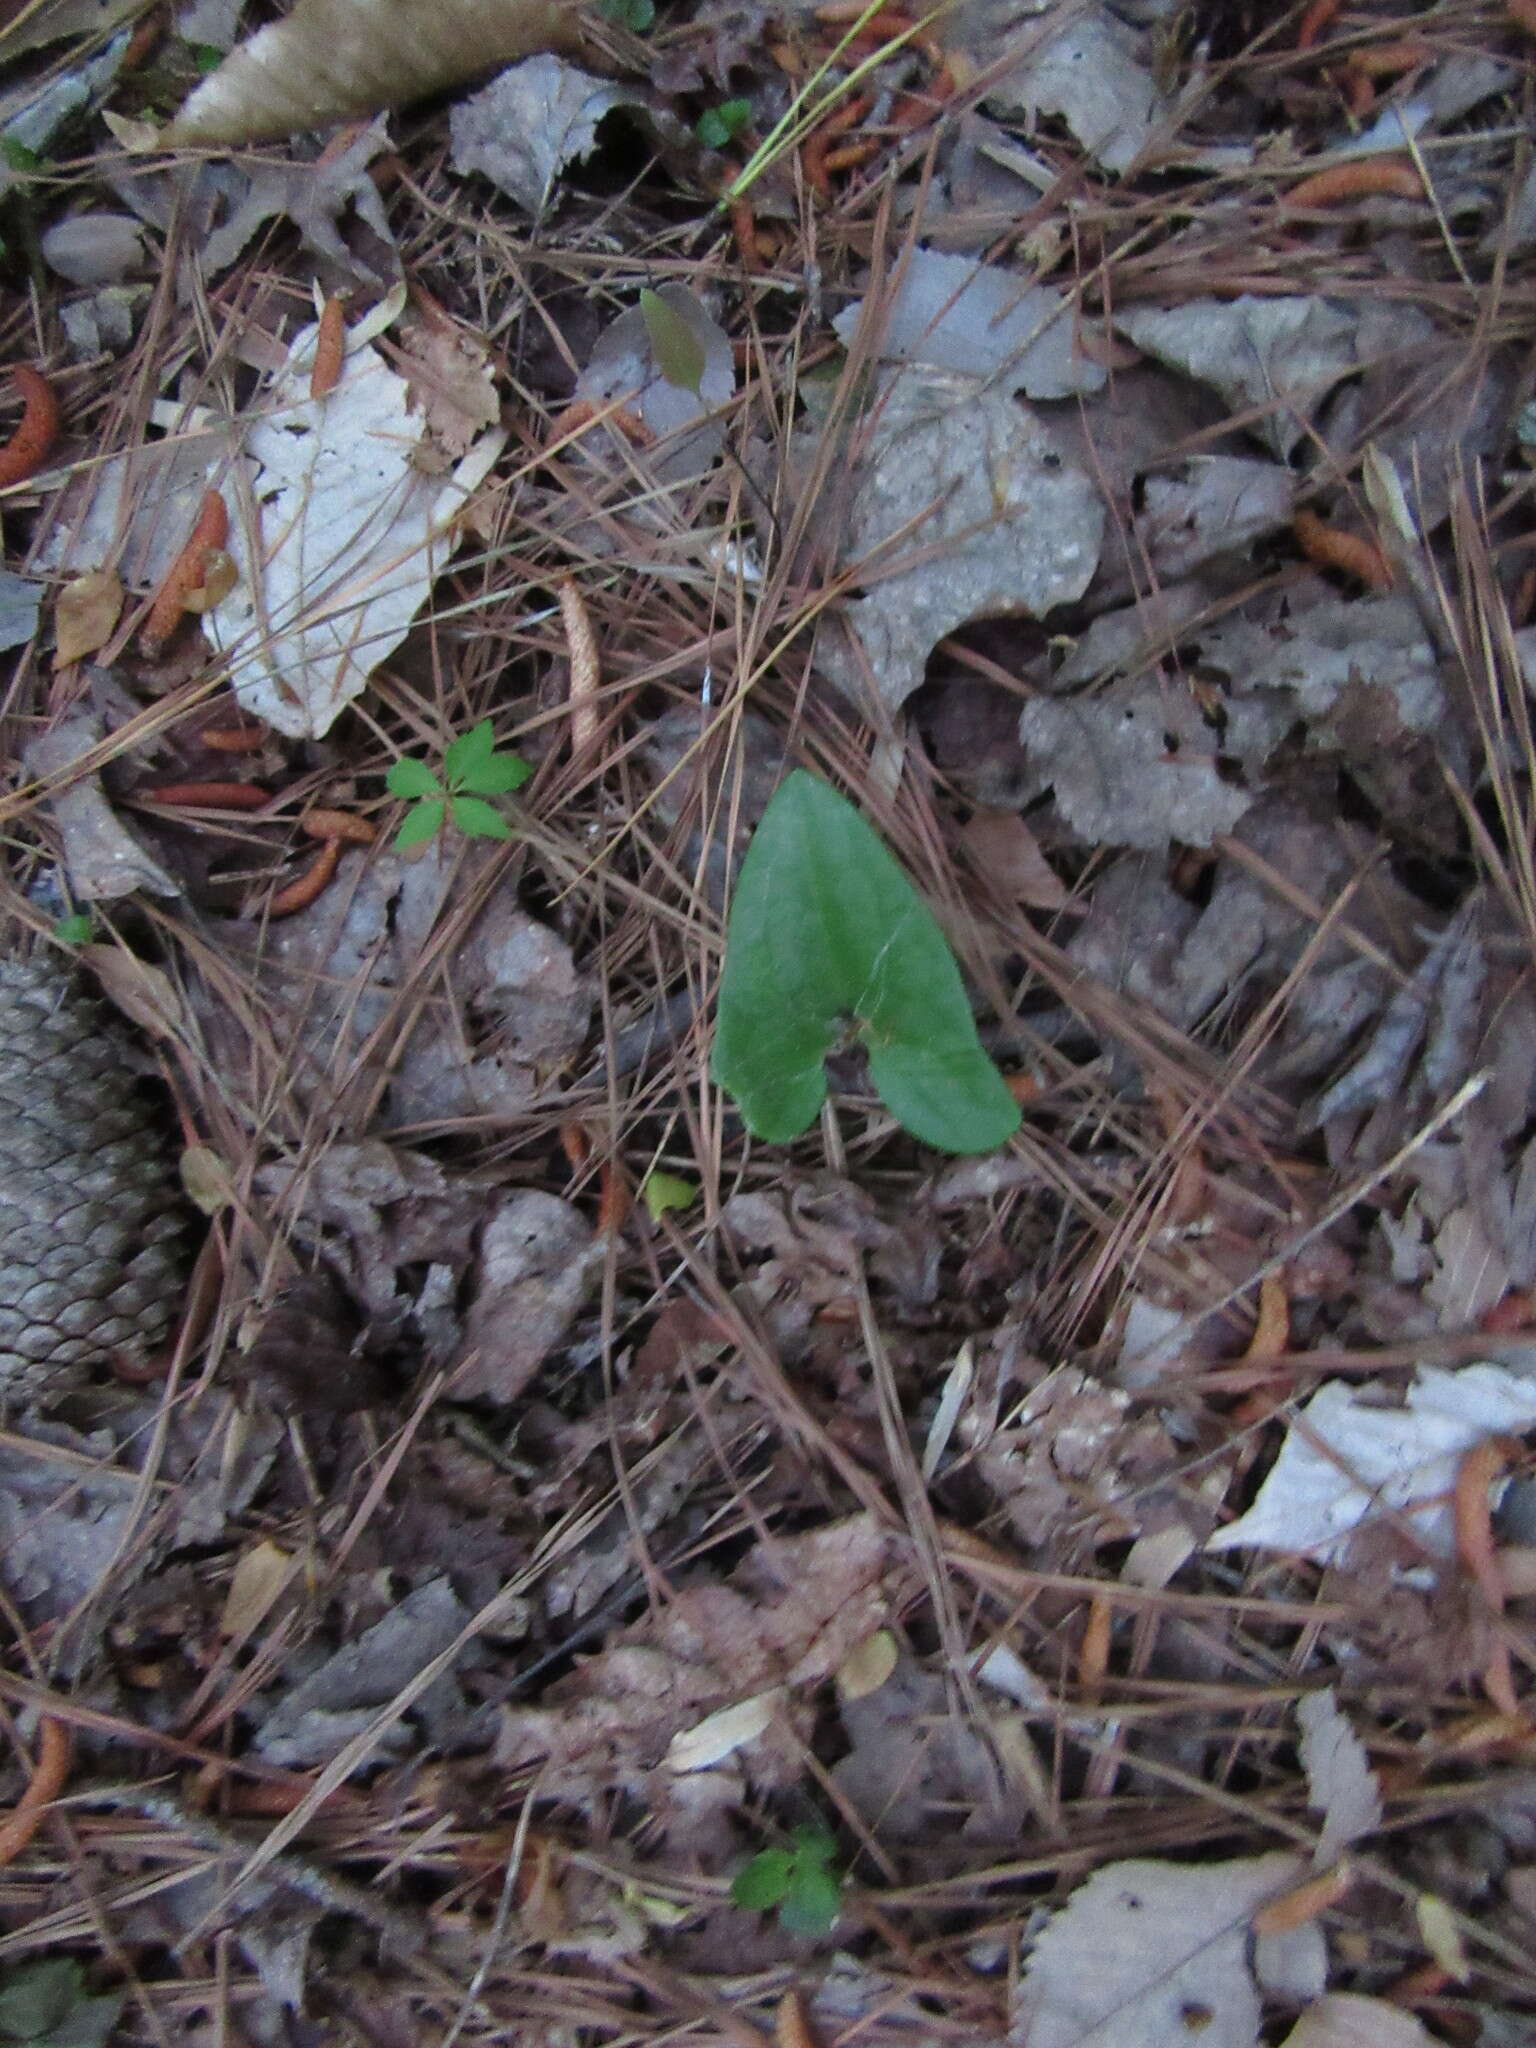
[[826, 932]]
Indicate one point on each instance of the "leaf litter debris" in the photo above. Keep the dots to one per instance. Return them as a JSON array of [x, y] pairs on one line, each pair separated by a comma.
[[1097, 443]]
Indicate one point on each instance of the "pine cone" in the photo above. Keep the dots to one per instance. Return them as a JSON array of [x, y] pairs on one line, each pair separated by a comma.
[[89, 1209]]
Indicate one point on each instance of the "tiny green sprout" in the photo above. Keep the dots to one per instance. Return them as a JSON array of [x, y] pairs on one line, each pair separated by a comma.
[[74, 930], [17, 156], [207, 57], [663, 1191], [801, 1881], [46, 2003], [720, 125], [472, 772], [637, 15]]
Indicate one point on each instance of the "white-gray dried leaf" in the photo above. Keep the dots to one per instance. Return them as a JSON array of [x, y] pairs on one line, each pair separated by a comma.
[[536, 1262], [1093, 73], [1276, 358], [20, 602], [93, 249], [623, 367], [1134, 767], [955, 314], [103, 857], [961, 508], [533, 119]]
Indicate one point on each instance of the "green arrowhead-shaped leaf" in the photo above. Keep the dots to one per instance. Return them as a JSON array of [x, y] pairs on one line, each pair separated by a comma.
[[421, 823], [678, 350], [477, 819], [467, 753], [825, 929], [411, 779]]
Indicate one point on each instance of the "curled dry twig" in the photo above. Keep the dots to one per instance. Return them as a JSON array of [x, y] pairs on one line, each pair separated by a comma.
[[54, 1750]]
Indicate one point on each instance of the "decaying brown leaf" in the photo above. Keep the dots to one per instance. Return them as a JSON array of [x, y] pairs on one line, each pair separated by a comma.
[[340, 60]]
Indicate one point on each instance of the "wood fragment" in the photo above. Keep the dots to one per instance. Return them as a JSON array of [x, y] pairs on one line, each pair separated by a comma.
[[1093, 1658], [586, 668], [49, 1773], [1371, 177], [307, 887], [27, 449], [1331, 548], [187, 573], [330, 347]]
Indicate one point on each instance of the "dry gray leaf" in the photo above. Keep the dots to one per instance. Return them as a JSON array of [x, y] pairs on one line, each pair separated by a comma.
[[352, 537], [1093, 74], [313, 1720], [1143, 1946], [103, 858], [537, 1256], [1351, 1462], [1347, 2019], [1340, 1782], [1135, 767], [954, 314], [20, 603], [1210, 506], [1276, 357], [341, 60], [92, 249], [522, 129], [961, 508]]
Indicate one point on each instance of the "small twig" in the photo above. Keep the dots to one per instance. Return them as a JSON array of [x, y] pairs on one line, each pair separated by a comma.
[[54, 1750], [28, 447]]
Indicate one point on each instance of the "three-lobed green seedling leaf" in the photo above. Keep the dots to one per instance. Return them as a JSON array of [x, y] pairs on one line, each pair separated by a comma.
[[719, 125], [472, 772], [800, 1881], [826, 934]]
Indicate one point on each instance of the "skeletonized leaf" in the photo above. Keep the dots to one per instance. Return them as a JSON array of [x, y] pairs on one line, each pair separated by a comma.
[[340, 60]]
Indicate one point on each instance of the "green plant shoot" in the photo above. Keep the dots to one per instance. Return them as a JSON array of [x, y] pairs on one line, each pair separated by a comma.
[[678, 350], [827, 933], [801, 1881], [718, 126], [663, 1191], [473, 771]]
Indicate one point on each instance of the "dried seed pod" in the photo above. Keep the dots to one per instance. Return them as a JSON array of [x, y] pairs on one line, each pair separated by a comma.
[[91, 1219]]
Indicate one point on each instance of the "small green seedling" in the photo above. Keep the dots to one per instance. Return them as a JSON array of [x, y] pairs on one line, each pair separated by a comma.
[[472, 771], [801, 1881], [636, 15], [720, 125], [663, 1191], [74, 930], [46, 2003], [827, 936]]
